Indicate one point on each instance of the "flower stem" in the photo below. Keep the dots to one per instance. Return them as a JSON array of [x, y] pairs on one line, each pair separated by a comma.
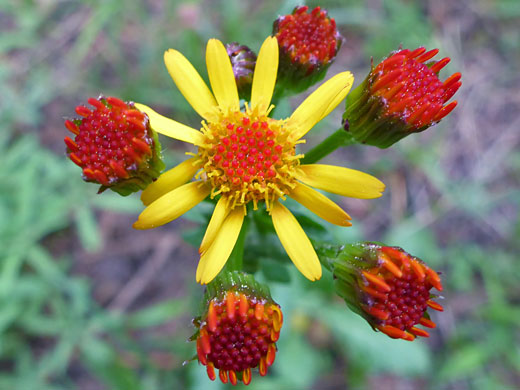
[[337, 139], [236, 258]]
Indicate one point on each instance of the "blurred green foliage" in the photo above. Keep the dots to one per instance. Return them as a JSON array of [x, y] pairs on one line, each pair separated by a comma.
[[458, 216]]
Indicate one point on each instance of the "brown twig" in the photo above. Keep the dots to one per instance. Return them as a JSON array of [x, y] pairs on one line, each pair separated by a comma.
[[136, 285]]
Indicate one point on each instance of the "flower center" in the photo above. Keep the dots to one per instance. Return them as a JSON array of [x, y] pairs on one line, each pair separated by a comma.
[[308, 36], [410, 88], [248, 157]]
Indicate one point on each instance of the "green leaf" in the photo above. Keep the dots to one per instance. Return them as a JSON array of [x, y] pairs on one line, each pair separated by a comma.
[[9, 270], [117, 375], [40, 260], [464, 361], [96, 350], [194, 235], [416, 239], [360, 342], [57, 359], [298, 363], [114, 202], [157, 314], [88, 229], [8, 313], [274, 271]]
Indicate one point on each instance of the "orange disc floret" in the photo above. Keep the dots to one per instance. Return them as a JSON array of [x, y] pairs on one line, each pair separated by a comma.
[[114, 145], [387, 286], [409, 84], [238, 333], [308, 37]]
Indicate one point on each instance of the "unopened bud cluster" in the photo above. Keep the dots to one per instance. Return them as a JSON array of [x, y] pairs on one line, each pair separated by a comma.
[[248, 156]]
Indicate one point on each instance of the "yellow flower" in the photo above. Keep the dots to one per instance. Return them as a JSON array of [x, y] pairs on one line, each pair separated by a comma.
[[246, 156]]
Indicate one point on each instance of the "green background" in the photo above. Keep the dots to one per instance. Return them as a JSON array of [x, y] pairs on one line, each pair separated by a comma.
[[88, 303]]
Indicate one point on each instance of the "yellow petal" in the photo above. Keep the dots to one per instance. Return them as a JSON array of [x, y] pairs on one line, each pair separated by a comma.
[[320, 103], [191, 85], [337, 100], [264, 77], [221, 76], [214, 259], [340, 180], [171, 128], [170, 180], [219, 215], [295, 242], [320, 205], [172, 205]]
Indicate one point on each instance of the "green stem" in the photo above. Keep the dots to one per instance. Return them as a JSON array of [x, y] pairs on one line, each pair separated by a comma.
[[337, 139], [236, 258]]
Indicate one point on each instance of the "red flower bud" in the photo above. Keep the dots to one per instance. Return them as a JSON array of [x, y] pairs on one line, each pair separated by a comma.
[[114, 145], [239, 328], [308, 42], [388, 287], [401, 95]]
